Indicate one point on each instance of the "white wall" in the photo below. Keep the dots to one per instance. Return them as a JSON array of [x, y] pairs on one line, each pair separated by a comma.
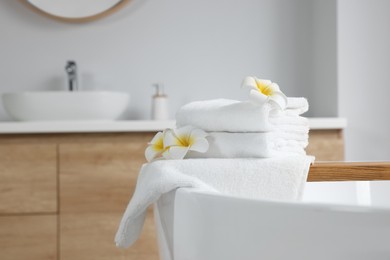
[[364, 77], [322, 93], [199, 49], [363, 85]]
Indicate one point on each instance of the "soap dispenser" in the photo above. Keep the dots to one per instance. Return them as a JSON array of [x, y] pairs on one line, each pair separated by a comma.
[[159, 103]]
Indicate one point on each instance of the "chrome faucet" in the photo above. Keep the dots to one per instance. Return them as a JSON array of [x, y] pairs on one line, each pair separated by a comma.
[[71, 70]]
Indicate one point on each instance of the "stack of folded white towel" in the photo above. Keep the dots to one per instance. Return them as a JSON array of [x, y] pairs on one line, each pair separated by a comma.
[[239, 129], [254, 150]]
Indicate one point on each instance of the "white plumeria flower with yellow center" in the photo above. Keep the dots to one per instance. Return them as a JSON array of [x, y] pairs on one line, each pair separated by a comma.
[[184, 139], [263, 91], [156, 148]]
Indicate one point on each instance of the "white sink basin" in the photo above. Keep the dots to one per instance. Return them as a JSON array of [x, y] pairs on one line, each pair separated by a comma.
[[61, 105]]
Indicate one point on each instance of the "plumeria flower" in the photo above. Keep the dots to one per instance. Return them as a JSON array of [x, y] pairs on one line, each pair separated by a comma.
[[156, 148], [263, 91], [184, 139]]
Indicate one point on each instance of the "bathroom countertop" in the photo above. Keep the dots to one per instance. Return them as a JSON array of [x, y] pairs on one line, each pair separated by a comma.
[[41, 127]]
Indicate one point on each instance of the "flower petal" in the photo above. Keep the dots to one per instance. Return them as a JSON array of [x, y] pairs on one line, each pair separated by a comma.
[[151, 153], [249, 83], [170, 138], [157, 138], [265, 82], [198, 133], [200, 145], [274, 87], [183, 134], [185, 130], [257, 97], [176, 152], [279, 99]]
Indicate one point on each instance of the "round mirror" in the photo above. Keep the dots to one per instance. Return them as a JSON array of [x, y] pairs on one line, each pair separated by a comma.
[[76, 10]]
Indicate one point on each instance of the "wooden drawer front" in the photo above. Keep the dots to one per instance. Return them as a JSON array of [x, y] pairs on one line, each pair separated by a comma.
[[98, 177], [91, 237], [97, 181], [326, 145], [28, 178], [28, 237]]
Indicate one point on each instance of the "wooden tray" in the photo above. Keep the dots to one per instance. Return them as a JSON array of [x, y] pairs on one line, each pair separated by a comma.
[[349, 171]]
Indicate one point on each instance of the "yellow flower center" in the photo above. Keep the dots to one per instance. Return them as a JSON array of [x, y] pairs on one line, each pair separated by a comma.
[[185, 141], [264, 88], [159, 145]]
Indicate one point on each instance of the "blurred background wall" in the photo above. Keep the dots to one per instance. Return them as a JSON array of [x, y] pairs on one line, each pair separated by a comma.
[[198, 49]]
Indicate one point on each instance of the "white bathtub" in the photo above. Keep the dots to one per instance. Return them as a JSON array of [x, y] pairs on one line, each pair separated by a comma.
[[197, 226]]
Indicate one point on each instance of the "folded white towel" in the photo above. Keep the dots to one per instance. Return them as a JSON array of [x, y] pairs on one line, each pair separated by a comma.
[[284, 120], [252, 145], [273, 178], [298, 105], [288, 135], [236, 116]]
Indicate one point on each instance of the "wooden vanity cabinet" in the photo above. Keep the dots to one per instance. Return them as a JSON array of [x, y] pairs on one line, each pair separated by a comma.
[[62, 195], [28, 179], [326, 145], [97, 180], [28, 201], [32, 237]]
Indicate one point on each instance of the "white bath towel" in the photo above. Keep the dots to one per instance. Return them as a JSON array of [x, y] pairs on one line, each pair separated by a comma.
[[252, 145], [237, 116], [297, 105], [285, 120], [273, 178]]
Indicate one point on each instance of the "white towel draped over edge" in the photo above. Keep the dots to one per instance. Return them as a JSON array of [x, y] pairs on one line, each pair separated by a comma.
[[273, 178]]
